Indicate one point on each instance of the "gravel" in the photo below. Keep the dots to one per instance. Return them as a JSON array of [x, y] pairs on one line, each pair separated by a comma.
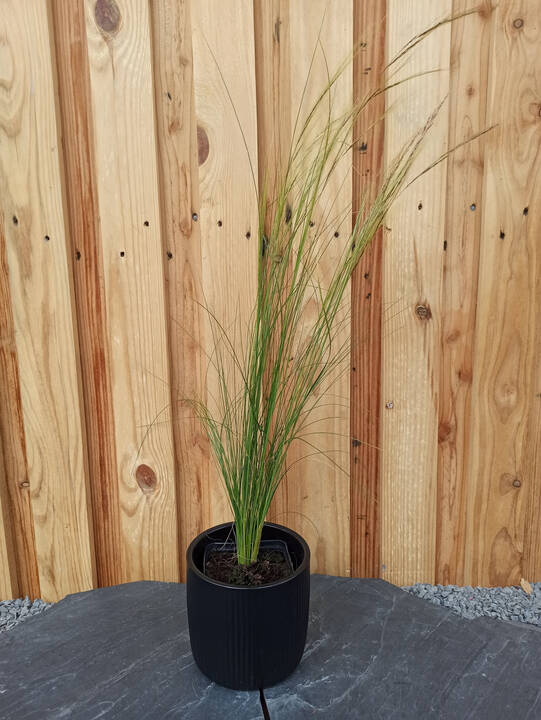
[[504, 603], [13, 612], [507, 603]]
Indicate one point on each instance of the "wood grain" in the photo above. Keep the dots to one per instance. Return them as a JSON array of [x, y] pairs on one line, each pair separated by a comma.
[[86, 253], [412, 272], [470, 47], [273, 80], [42, 298], [366, 300], [314, 497], [18, 517], [502, 522], [179, 182], [225, 96], [9, 586], [119, 50]]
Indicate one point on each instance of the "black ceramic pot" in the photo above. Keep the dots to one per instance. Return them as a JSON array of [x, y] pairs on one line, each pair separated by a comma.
[[248, 638]]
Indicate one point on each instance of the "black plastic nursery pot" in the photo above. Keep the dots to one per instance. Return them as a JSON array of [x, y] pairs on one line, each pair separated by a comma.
[[248, 638]]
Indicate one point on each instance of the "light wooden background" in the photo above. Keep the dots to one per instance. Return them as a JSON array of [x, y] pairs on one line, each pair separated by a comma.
[[127, 198]]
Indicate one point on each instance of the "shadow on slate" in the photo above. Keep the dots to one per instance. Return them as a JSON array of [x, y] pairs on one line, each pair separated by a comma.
[[373, 651], [118, 652]]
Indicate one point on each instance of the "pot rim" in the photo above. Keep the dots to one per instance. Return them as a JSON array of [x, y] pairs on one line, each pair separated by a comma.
[[302, 567]]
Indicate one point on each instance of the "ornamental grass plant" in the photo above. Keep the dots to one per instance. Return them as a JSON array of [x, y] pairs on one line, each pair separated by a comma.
[[269, 384]]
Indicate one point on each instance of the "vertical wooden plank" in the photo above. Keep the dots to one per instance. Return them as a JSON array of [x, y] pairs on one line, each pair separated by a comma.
[[86, 252], [314, 497], [179, 182], [119, 50], [470, 45], [9, 586], [273, 69], [17, 506], [39, 273], [502, 525], [366, 307], [225, 102], [412, 259]]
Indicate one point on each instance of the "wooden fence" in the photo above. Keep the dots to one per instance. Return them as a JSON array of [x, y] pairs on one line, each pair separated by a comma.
[[127, 198]]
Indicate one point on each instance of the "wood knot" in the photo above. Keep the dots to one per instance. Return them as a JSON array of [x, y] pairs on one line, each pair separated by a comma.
[[174, 126], [465, 375], [445, 431], [423, 312], [146, 479], [203, 146], [518, 23], [107, 16]]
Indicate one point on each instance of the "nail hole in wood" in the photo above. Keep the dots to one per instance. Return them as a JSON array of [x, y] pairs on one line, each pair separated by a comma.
[[336, 233], [473, 206], [502, 234], [220, 223], [288, 214], [518, 23], [169, 254], [423, 312], [15, 220], [146, 223], [46, 238], [525, 211], [122, 253], [420, 206], [78, 255], [445, 244], [248, 235], [195, 217]]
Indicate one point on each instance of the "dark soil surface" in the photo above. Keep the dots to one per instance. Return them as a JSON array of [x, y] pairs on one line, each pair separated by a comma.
[[271, 566]]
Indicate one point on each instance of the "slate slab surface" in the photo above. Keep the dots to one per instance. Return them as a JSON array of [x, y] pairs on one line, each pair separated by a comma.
[[373, 651], [119, 652]]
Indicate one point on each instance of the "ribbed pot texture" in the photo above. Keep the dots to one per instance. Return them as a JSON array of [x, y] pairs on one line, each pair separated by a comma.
[[248, 638]]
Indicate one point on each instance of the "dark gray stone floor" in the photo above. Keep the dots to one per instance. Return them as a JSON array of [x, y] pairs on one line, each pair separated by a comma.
[[373, 651]]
